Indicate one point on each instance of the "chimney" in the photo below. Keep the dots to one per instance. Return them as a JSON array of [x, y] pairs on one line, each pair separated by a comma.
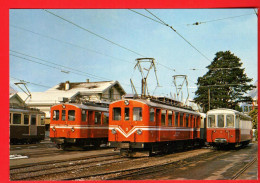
[[87, 80], [67, 85]]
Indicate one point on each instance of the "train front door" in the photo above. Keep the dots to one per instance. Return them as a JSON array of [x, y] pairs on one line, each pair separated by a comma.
[[33, 126]]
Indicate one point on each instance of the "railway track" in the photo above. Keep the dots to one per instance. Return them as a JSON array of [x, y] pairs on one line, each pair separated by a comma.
[[35, 172], [242, 170]]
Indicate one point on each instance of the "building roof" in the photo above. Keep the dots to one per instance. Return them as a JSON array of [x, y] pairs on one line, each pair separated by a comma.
[[87, 87], [53, 95]]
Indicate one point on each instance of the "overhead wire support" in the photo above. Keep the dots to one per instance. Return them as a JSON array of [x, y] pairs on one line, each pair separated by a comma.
[[92, 32]]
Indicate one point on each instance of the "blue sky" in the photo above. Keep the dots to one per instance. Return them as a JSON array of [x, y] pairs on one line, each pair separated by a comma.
[[39, 34]]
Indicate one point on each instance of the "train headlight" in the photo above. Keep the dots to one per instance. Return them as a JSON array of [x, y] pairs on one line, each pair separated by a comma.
[[53, 129], [139, 131], [126, 102], [72, 129], [113, 131]]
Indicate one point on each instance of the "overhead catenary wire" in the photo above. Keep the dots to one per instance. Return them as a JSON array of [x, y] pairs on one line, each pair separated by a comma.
[[27, 82], [179, 35], [72, 44], [59, 68], [97, 35], [219, 19]]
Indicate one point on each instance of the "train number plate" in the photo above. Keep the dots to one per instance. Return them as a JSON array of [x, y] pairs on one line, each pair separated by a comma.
[[124, 145]]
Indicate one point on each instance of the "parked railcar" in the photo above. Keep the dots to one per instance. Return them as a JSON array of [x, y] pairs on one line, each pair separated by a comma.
[[79, 125], [228, 127], [143, 126], [26, 125]]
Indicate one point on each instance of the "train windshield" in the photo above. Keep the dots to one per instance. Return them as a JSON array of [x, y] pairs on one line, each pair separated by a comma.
[[211, 119], [152, 114], [230, 120], [17, 118], [117, 113], [220, 120], [26, 119], [137, 114], [127, 114], [71, 115]]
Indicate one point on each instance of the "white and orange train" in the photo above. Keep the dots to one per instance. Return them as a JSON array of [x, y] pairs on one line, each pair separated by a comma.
[[79, 125], [149, 125], [228, 127]]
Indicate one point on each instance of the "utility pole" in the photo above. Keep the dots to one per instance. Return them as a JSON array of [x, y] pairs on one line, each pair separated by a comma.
[[209, 97]]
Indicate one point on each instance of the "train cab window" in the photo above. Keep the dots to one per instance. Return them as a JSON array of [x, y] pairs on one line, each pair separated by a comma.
[[127, 113], [181, 119], [176, 119], [71, 115], [33, 119], [220, 120], [83, 115], [137, 114], [237, 121], [211, 121], [105, 118], [152, 114], [17, 119], [97, 117], [26, 119], [42, 120], [56, 115], [169, 118], [63, 115], [163, 117], [117, 113], [187, 120], [230, 120]]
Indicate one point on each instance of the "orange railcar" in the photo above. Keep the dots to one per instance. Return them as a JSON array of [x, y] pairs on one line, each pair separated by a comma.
[[78, 125], [228, 127], [146, 125]]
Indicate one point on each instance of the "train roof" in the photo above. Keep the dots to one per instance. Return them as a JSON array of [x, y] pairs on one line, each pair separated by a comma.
[[25, 110], [225, 110], [163, 105], [89, 106]]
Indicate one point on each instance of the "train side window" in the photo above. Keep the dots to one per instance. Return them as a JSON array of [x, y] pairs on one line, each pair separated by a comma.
[[237, 121], [117, 113], [163, 117], [127, 110], [71, 115], [176, 119], [105, 118], [42, 120], [56, 115], [220, 120], [26, 119], [17, 119], [169, 118], [63, 115], [152, 114], [33, 119], [211, 121], [97, 117], [83, 115], [230, 120], [187, 120], [137, 114], [181, 119]]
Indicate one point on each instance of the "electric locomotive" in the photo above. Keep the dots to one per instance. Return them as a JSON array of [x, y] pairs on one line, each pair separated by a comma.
[[227, 127], [27, 125], [146, 125], [79, 125]]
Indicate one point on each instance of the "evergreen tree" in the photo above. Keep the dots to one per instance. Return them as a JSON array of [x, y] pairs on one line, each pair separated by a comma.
[[225, 83]]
